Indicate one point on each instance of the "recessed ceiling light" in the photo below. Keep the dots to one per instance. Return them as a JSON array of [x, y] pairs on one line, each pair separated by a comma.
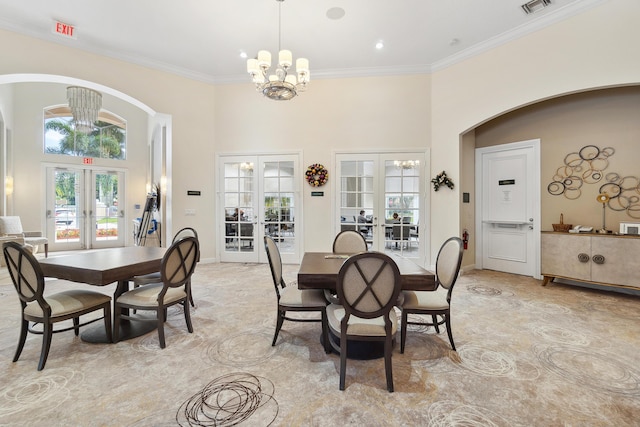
[[454, 42], [335, 13], [243, 54], [379, 45]]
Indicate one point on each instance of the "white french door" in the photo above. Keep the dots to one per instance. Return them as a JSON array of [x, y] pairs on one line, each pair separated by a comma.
[[82, 208], [383, 196], [260, 196]]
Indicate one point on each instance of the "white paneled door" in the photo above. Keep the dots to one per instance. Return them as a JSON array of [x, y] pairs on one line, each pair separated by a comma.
[[507, 184]]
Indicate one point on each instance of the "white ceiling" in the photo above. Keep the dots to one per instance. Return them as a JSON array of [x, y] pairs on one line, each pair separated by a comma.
[[203, 39]]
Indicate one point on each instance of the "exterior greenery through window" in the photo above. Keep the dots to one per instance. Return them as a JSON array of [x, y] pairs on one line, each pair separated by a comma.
[[106, 141]]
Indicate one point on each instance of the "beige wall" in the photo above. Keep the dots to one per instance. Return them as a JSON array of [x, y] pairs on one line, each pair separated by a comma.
[[28, 156], [189, 102], [604, 118], [571, 56], [360, 115], [357, 114]]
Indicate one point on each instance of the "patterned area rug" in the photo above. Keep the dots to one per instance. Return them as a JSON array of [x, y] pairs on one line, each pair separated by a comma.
[[527, 355]]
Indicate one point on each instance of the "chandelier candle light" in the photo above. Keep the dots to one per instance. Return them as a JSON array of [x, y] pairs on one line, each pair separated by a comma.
[[282, 85], [85, 105]]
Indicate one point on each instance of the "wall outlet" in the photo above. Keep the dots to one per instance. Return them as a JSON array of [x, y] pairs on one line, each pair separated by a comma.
[[190, 212]]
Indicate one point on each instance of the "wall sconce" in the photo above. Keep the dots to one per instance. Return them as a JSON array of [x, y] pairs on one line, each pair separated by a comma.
[[163, 184], [8, 185]]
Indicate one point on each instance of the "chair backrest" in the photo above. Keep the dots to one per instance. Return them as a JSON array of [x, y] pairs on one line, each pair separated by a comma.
[[448, 262], [368, 285], [10, 225], [187, 232], [275, 263], [401, 232], [349, 242], [179, 263], [25, 272]]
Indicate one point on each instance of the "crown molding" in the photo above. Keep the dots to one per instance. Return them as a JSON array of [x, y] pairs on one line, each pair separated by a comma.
[[528, 28], [516, 33]]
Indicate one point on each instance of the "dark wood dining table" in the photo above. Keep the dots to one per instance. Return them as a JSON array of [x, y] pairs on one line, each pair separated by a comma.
[[319, 270], [103, 267]]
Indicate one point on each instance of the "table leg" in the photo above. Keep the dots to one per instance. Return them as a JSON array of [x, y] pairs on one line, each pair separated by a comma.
[[358, 350]]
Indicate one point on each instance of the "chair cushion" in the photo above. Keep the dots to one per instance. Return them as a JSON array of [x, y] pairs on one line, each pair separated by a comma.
[[147, 296], [426, 300], [359, 326], [67, 302], [36, 240], [291, 296]]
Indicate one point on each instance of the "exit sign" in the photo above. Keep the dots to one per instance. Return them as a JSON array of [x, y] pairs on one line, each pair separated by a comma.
[[87, 160], [65, 30]]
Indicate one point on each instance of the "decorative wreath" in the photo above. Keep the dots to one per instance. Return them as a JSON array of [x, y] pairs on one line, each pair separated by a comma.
[[317, 175], [441, 179]]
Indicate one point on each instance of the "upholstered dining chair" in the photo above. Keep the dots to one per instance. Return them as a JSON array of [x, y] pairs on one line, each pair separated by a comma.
[[28, 279], [155, 277], [177, 266], [435, 303], [368, 287], [12, 226], [349, 242], [292, 299]]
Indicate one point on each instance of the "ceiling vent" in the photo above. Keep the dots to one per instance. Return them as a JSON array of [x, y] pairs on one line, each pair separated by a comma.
[[535, 6]]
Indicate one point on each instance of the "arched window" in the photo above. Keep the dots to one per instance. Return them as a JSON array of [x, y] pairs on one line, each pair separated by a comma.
[[107, 140]]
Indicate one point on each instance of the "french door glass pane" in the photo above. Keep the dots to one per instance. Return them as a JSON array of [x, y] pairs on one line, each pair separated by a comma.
[[238, 207], [279, 204], [357, 197], [67, 198], [402, 204], [106, 215]]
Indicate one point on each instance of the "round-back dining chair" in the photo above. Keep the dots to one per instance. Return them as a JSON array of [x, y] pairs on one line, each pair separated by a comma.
[[349, 242]]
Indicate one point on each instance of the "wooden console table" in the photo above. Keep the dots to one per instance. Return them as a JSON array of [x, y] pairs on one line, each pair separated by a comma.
[[602, 259]]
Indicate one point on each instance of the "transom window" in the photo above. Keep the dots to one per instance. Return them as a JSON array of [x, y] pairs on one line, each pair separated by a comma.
[[107, 140]]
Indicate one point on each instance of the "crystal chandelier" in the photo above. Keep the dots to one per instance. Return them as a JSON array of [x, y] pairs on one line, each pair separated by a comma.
[[406, 164], [85, 106], [282, 85]]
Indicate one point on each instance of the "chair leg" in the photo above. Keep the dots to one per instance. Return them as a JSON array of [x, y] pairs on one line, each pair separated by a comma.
[[388, 367], [116, 322], [162, 317], [187, 316], [46, 344], [435, 323], [76, 325], [46, 250], [279, 323], [447, 321], [107, 322], [24, 329], [403, 330], [325, 333], [343, 360], [190, 294]]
